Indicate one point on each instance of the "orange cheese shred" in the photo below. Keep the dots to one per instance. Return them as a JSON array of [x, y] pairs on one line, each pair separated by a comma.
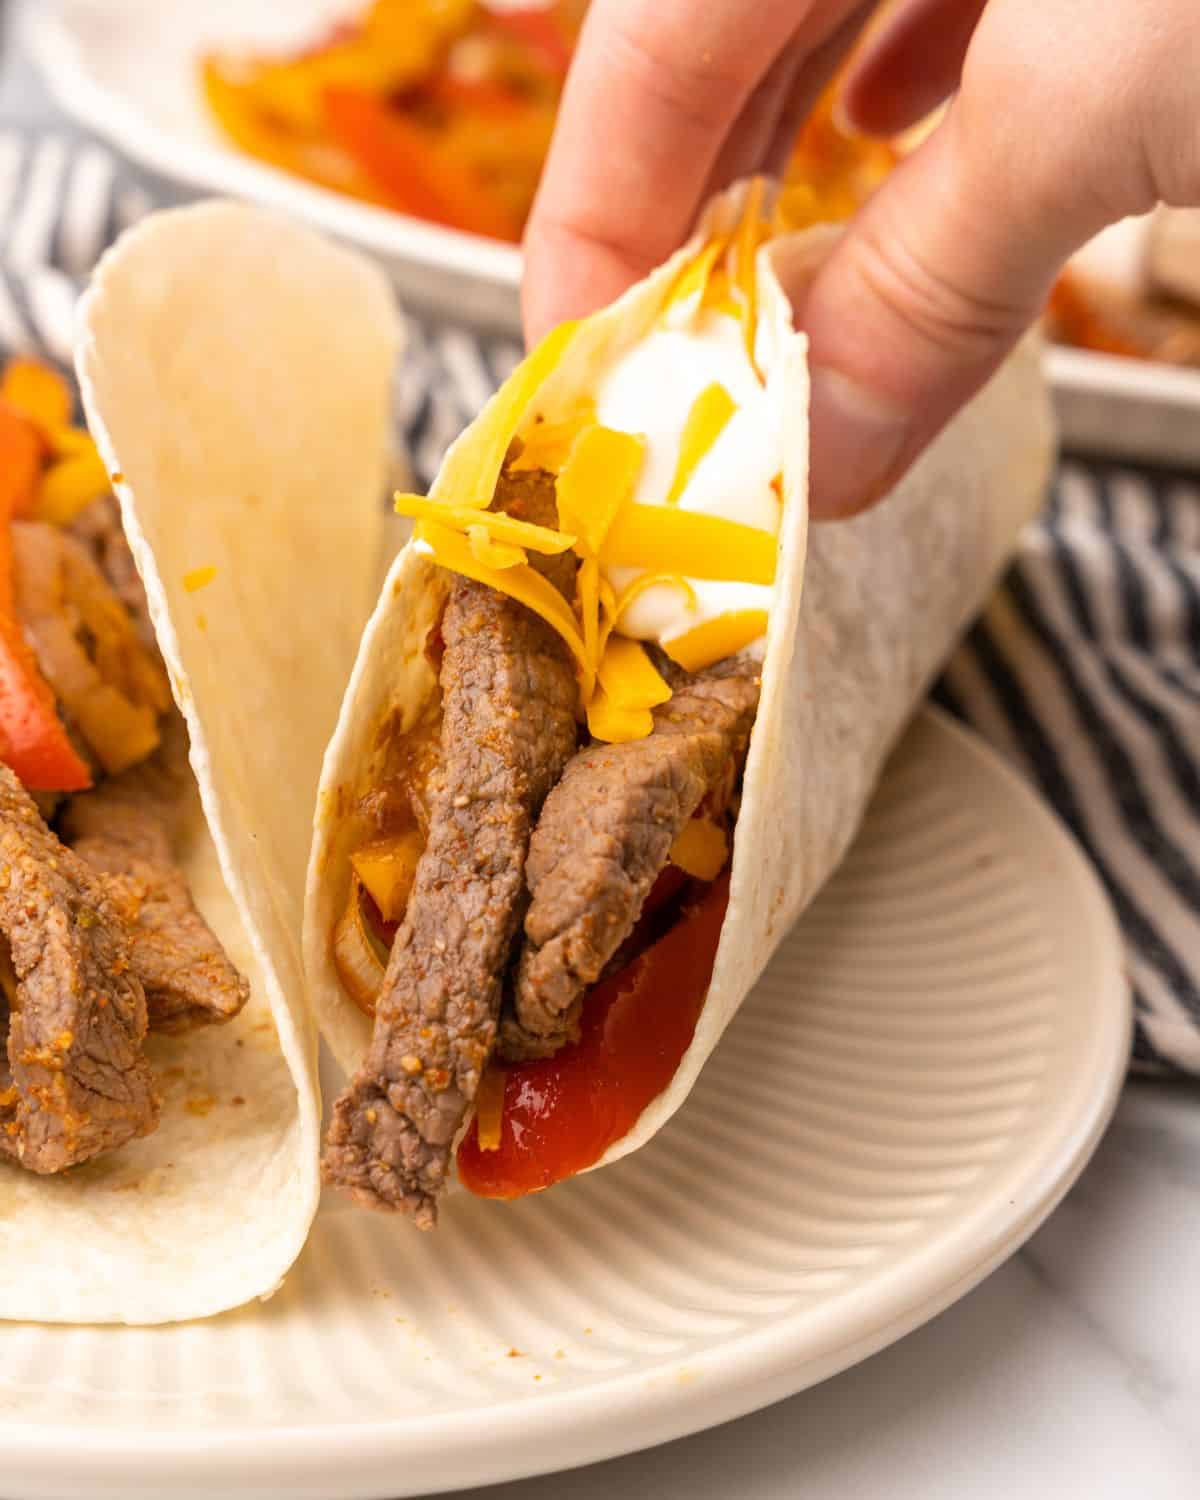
[[700, 849], [688, 292], [749, 235], [664, 538], [498, 526], [629, 678], [716, 639], [491, 553], [588, 587], [489, 1108], [706, 421], [597, 480], [452, 550], [545, 445], [469, 474], [617, 725]]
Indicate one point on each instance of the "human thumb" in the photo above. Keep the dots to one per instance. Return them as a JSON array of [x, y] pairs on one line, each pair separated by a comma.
[[932, 285]]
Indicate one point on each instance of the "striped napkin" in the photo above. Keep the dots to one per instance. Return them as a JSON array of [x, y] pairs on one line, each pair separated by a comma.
[[1084, 670]]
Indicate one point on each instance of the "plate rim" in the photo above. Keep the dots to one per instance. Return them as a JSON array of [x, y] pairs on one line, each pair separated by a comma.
[[726, 1381]]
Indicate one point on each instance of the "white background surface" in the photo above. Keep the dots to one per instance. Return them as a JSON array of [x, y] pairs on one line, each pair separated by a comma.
[[1074, 1370]]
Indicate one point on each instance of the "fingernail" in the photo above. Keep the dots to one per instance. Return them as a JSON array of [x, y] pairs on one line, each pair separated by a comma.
[[856, 439]]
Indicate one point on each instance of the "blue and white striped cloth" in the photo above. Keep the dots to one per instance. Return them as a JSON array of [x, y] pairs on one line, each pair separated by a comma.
[[1084, 670]]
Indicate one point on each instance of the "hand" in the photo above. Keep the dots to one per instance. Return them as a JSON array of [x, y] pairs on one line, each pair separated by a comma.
[[1069, 115]]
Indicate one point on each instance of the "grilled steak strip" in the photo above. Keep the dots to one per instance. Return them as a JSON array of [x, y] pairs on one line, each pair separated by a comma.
[[79, 1084], [603, 837], [508, 698], [124, 830]]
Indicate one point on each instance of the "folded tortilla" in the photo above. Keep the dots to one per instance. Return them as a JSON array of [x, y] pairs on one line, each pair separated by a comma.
[[864, 613], [235, 370]]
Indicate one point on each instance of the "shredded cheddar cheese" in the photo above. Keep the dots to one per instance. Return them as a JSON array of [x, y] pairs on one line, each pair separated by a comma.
[[498, 526], [750, 234], [596, 470], [596, 481], [199, 578], [666, 539], [468, 476], [452, 550], [608, 722], [690, 288], [629, 678], [700, 849], [545, 445], [716, 639], [491, 553], [706, 421]]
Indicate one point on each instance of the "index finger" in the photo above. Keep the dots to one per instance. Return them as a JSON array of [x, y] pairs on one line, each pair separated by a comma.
[[655, 88]]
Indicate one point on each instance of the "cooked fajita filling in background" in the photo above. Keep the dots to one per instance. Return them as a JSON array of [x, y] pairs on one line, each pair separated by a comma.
[[99, 937], [540, 865]]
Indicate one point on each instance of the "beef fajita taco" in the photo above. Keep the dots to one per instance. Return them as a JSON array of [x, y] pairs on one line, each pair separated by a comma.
[[616, 718], [158, 1098]]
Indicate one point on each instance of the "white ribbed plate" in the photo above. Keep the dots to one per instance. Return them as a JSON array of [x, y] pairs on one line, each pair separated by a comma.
[[922, 1073]]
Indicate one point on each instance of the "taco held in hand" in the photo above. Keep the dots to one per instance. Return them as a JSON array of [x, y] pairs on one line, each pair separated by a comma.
[[595, 755]]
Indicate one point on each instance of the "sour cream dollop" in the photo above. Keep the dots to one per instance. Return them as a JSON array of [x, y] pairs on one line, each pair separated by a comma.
[[650, 390]]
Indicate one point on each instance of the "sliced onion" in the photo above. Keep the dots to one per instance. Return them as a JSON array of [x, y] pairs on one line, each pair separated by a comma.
[[355, 956]]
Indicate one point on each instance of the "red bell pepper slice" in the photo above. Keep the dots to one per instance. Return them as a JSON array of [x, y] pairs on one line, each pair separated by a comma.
[[33, 741], [473, 96], [401, 157], [562, 1113], [22, 450]]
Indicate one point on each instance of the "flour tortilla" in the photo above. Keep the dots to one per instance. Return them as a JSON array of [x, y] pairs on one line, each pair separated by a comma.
[[847, 660], [235, 370]]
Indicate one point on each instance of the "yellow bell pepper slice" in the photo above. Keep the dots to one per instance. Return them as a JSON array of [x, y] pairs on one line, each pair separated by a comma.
[[617, 725], [388, 867], [629, 678], [716, 639], [700, 849], [664, 538], [70, 486], [468, 476], [498, 526], [452, 550], [545, 445], [39, 394], [494, 554], [597, 479], [707, 420]]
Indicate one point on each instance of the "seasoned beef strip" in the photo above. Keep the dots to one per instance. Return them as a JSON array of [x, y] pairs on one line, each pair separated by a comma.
[[508, 698], [79, 1084], [604, 836], [124, 829]]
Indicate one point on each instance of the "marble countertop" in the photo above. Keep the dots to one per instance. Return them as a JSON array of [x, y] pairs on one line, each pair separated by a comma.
[[1073, 1370]]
